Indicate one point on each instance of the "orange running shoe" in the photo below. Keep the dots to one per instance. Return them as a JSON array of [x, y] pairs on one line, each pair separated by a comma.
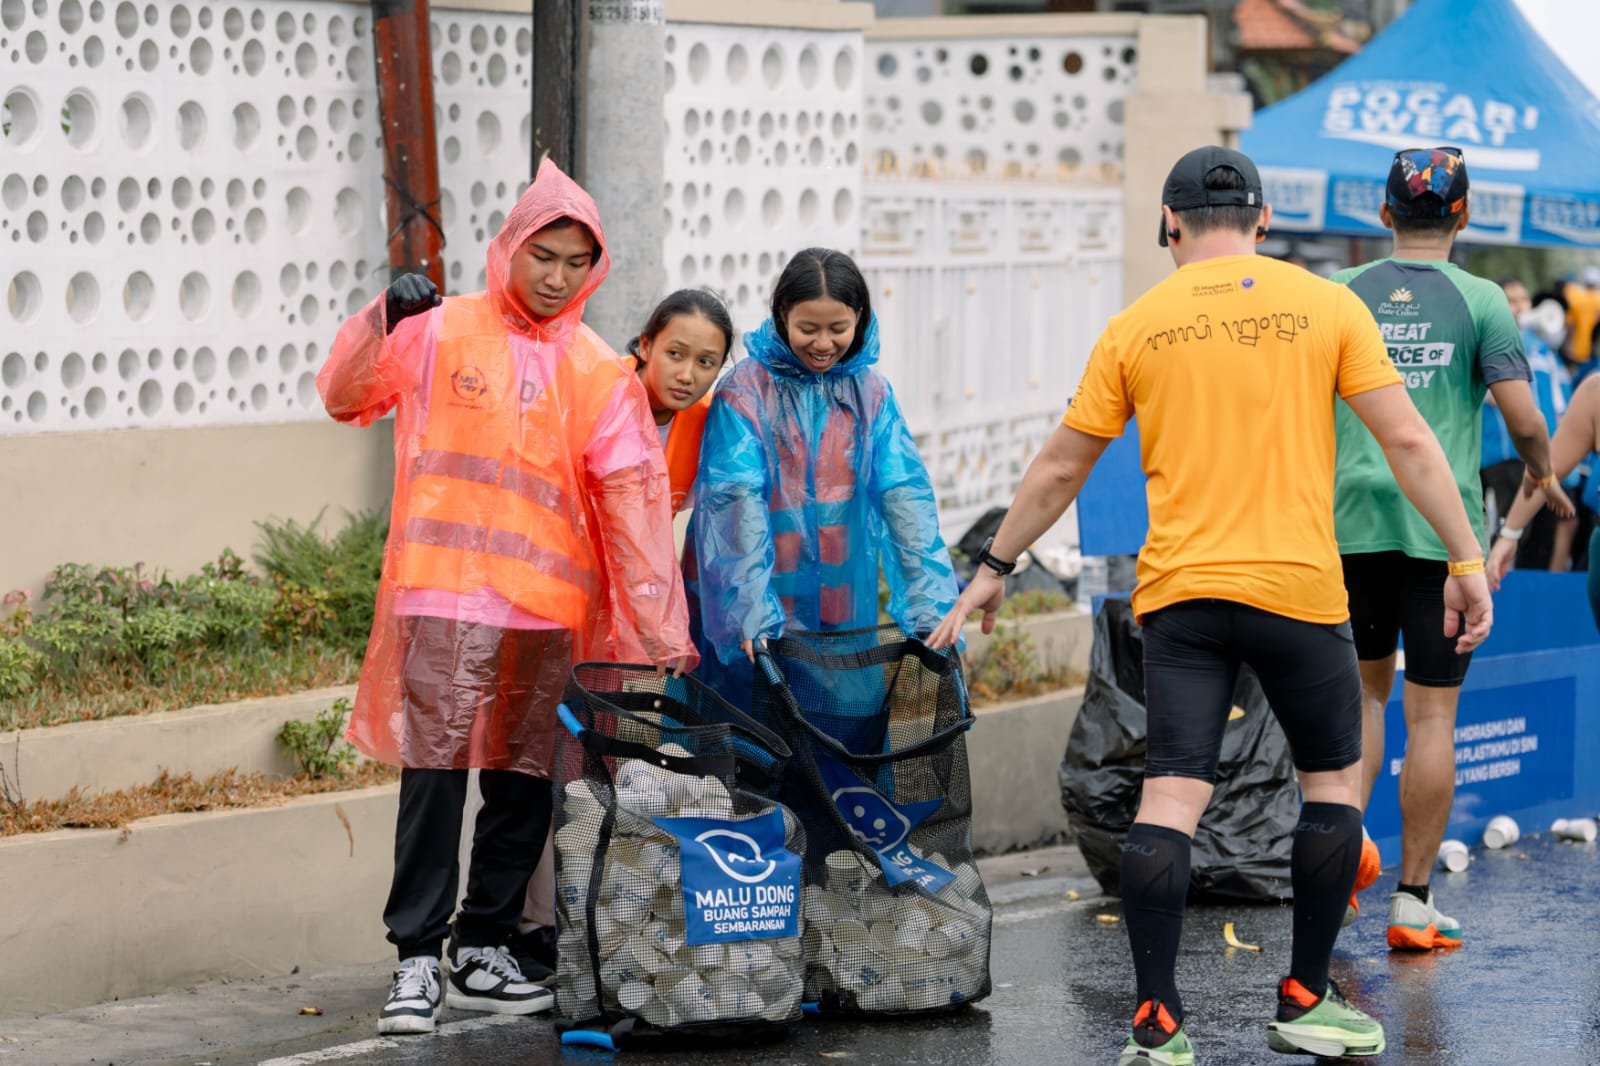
[[1367, 872], [1418, 926]]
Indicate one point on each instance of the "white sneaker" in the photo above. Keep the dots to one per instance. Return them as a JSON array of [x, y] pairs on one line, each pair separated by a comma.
[[1418, 926], [414, 998], [489, 979]]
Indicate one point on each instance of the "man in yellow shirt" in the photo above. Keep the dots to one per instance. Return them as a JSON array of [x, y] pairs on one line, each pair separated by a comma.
[[1231, 366]]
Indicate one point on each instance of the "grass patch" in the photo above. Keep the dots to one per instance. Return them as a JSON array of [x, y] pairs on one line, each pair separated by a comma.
[[196, 677], [179, 794]]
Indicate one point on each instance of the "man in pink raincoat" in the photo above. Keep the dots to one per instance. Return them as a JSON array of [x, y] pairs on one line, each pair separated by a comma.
[[531, 523]]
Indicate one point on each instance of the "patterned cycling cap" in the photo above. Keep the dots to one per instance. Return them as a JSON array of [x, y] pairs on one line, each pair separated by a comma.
[[1427, 183]]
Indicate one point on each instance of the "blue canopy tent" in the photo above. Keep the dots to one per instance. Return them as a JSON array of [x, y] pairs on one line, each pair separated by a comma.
[[1472, 75]]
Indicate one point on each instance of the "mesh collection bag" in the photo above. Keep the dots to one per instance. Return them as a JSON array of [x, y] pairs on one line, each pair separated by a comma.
[[677, 888], [897, 919]]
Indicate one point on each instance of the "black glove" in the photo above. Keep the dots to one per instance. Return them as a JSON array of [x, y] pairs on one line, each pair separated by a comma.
[[409, 294]]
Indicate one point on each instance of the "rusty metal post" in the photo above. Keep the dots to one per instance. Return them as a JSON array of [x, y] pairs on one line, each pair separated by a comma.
[[410, 148], [558, 69]]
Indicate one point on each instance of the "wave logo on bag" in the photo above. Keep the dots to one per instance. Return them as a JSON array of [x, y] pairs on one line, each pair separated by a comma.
[[727, 858], [740, 880], [884, 826]]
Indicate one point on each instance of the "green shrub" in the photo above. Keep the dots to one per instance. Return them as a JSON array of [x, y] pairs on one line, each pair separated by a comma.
[[331, 583], [104, 640], [318, 746], [20, 666]]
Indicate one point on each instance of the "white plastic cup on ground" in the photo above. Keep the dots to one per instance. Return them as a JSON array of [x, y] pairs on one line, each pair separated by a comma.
[[1454, 856], [1578, 830], [1501, 832]]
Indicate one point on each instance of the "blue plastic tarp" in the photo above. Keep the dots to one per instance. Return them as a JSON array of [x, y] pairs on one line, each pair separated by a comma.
[[1476, 76]]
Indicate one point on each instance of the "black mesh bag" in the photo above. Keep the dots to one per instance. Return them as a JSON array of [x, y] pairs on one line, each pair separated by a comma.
[[897, 920], [677, 873]]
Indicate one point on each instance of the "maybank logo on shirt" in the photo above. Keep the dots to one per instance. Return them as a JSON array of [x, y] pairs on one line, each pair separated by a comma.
[[1399, 114]]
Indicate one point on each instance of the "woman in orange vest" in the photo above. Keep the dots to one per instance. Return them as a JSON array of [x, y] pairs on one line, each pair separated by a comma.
[[679, 354], [530, 499]]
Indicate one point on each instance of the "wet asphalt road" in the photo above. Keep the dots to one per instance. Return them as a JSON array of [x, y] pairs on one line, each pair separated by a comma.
[[1525, 989]]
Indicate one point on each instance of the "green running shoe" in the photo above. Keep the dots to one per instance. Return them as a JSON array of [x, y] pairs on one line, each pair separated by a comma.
[[1327, 1026], [1157, 1038]]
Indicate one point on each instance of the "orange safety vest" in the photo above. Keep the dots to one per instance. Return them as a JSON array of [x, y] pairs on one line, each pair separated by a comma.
[[683, 445], [492, 495]]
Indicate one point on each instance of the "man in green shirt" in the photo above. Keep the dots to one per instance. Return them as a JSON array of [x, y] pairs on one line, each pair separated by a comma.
[[1453, 339]]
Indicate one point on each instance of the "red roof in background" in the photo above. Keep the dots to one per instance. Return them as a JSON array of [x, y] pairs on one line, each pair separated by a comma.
[[1288, 25]]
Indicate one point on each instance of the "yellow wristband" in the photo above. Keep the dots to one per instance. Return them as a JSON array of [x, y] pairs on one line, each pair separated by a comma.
[[1465, 567], [1548, 481]]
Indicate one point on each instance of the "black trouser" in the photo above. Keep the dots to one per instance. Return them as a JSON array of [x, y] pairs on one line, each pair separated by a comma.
[[510, 834]]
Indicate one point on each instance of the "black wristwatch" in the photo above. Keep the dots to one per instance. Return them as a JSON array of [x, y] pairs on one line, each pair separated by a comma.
[[998, 566]]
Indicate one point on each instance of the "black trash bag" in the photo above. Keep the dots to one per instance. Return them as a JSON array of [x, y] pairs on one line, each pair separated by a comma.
[[1035, 577], [1241, 849]]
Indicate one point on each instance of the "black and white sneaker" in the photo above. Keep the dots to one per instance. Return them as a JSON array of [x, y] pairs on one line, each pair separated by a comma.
[[415, 998], [489, 979]]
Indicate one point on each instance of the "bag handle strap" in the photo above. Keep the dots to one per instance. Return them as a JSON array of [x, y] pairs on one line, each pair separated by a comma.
[[791, 707], [601, 746]]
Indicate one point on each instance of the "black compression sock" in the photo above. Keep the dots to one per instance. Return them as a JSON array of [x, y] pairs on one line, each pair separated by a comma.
[[1322, 868], [1155, 883], [1420, 891]]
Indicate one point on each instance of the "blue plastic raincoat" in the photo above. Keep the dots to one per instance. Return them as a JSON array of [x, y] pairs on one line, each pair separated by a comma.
[[808, 482]]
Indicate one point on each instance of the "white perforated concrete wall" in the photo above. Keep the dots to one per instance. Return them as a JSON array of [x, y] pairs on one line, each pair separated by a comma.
[[193, 198], [1048, 108], [763, 155]]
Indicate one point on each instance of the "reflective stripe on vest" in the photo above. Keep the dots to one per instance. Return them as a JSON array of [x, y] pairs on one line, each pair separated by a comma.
[[503, 542], [486, 471]]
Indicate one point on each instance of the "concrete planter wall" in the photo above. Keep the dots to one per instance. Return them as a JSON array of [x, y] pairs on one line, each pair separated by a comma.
[[1061, 640], [116, 753], [91, 915], [181, 899], [1015, 752]]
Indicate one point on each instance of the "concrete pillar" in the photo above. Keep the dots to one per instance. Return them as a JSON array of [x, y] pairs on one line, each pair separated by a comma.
[[622, 130], [1171, 111]]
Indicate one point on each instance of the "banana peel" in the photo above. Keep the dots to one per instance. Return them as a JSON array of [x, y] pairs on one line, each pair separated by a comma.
[[1233, 940]]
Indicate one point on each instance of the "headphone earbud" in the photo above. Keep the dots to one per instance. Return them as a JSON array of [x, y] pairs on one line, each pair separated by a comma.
[[1172, 234], [1261, 233]]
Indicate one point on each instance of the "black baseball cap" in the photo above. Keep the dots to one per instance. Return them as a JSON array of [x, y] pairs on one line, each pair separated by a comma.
[[1185, 187], [1427, 183]]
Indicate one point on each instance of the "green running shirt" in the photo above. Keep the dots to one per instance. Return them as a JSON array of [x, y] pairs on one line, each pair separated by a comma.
[[1451, 335]]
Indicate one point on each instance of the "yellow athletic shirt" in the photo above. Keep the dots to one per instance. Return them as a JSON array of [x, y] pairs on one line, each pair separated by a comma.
[[1231, 366]]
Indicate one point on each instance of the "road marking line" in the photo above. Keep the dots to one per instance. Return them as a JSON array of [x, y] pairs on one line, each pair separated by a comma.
[[389, 1043]]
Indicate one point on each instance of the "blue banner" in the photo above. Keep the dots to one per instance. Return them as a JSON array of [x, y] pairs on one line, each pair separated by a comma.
[[1514, 750], [884, 827], [740, 881]]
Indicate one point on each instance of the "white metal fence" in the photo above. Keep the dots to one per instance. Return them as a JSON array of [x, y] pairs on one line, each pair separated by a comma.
[[193, 200]]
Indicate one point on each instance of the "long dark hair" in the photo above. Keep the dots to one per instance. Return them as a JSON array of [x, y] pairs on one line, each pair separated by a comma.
[[686, 302], [822, 274]]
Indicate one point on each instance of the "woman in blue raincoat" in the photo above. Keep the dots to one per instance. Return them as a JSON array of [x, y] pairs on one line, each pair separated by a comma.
[[809, 481]]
